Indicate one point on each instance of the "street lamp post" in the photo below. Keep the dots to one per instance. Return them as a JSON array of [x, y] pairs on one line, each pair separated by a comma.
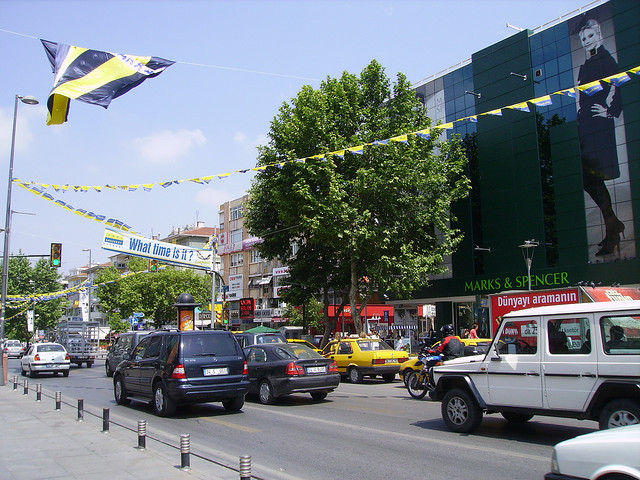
[[528, 248], [7, 225], [90, 278]]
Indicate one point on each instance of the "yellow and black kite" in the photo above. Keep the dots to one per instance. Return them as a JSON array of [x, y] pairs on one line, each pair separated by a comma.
[[93, 76]]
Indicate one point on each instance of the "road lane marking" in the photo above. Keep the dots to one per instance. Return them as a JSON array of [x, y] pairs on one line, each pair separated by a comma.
[[231, 425]]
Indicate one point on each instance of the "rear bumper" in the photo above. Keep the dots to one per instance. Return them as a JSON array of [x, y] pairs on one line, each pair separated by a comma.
[[48, 367], [379, 369], [183, 392], [326, 383]]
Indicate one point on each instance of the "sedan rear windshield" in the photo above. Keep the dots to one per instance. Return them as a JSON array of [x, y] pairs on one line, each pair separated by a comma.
[[50, 348], [370, 345]]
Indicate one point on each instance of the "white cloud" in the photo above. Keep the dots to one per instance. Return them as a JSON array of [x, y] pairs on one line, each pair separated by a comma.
[[248, 144], [168, 147]]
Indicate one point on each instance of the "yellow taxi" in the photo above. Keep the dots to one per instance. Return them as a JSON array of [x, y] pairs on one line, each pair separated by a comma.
[[360, 357], [472, 346], [304, 342]]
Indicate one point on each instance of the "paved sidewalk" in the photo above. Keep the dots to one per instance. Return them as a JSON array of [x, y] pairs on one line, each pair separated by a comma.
[[38, 442]]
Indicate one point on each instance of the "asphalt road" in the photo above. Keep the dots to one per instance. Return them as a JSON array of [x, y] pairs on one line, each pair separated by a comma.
[[372, 431]]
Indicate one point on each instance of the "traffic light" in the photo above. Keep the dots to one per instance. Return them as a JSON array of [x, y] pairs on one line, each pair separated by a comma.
[[153, 265], [219, 316], [55, 259], [225, 313]]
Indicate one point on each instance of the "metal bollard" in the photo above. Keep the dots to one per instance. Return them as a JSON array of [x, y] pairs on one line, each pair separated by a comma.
[[245, 467], [142, 434], [25, 391], [185, 451], [15, 382], [80, 409], [58, 400], [105, 420], [38, 392]]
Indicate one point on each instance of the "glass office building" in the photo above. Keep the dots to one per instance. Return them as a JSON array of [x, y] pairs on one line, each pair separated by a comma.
[[551, 121]]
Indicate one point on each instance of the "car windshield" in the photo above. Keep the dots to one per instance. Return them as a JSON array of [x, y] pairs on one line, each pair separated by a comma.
[[299, 351], [50, 348], [13, 343], [269, 339], [371, 345]]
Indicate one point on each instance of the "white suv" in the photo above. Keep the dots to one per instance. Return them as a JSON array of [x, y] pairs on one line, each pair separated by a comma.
[[575, 361]]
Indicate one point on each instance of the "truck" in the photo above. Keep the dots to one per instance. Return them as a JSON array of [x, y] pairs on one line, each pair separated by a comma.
[[80, 339]]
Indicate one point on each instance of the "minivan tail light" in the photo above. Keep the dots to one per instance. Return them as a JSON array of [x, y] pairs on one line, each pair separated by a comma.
[[245, 370], [179, 372], [293, 369]]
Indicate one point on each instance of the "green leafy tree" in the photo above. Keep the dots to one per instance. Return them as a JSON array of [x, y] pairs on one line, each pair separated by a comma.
[[378, 220], [308, 315], [25, 279], [152, 294]]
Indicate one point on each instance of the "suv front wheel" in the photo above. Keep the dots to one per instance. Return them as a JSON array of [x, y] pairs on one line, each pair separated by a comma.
[[619, 413], [460, 411], [120, 391]]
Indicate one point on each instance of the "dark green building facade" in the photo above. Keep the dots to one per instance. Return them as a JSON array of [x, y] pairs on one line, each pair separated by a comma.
[[551, 120]]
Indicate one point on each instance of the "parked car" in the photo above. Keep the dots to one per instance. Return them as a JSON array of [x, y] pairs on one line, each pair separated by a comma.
[[255, 338], [306, 343], [360, 357], [607, 454], [472, 346], [13, 348], [171, 367], [45, 358], [277, 369], [573, 361], [125, 343]]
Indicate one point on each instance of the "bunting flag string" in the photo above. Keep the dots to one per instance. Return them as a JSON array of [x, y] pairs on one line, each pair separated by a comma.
[[112, 222], [543, 101]]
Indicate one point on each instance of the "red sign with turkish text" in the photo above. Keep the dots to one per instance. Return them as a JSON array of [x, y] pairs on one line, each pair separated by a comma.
[[501, 304], [247, 307]]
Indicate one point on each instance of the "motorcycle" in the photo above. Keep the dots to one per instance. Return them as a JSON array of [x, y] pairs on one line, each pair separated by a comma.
[[418, 382]]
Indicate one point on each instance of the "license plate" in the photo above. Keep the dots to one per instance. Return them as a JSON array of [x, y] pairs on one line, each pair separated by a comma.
[[215, 371], [391, 360], [316, 369], [50, 365]]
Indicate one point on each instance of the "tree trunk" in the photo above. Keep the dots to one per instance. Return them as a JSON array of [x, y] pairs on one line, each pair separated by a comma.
[[329, 324], [353, 297]]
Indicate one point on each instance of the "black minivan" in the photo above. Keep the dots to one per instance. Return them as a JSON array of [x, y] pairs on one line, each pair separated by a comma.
[[171, 367]]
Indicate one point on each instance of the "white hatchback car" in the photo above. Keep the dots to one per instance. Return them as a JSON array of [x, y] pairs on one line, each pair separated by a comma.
[[45, 357], [608, 454]]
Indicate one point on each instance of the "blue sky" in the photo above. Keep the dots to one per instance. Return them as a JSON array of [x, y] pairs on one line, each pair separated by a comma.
[[237, 62]]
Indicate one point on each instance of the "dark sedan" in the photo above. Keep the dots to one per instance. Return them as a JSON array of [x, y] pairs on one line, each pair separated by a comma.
[[282, 368]]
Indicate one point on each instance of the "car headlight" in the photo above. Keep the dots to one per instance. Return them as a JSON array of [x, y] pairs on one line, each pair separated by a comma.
[[554, 462]]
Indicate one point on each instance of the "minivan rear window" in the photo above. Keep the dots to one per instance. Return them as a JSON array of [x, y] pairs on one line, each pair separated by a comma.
[[208, 345]]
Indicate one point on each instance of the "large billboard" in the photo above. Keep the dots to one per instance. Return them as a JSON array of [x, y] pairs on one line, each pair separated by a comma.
[[129, 244], [602, 136]]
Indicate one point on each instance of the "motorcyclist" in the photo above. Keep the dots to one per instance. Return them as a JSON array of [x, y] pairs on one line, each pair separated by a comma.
[[451, 346]]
